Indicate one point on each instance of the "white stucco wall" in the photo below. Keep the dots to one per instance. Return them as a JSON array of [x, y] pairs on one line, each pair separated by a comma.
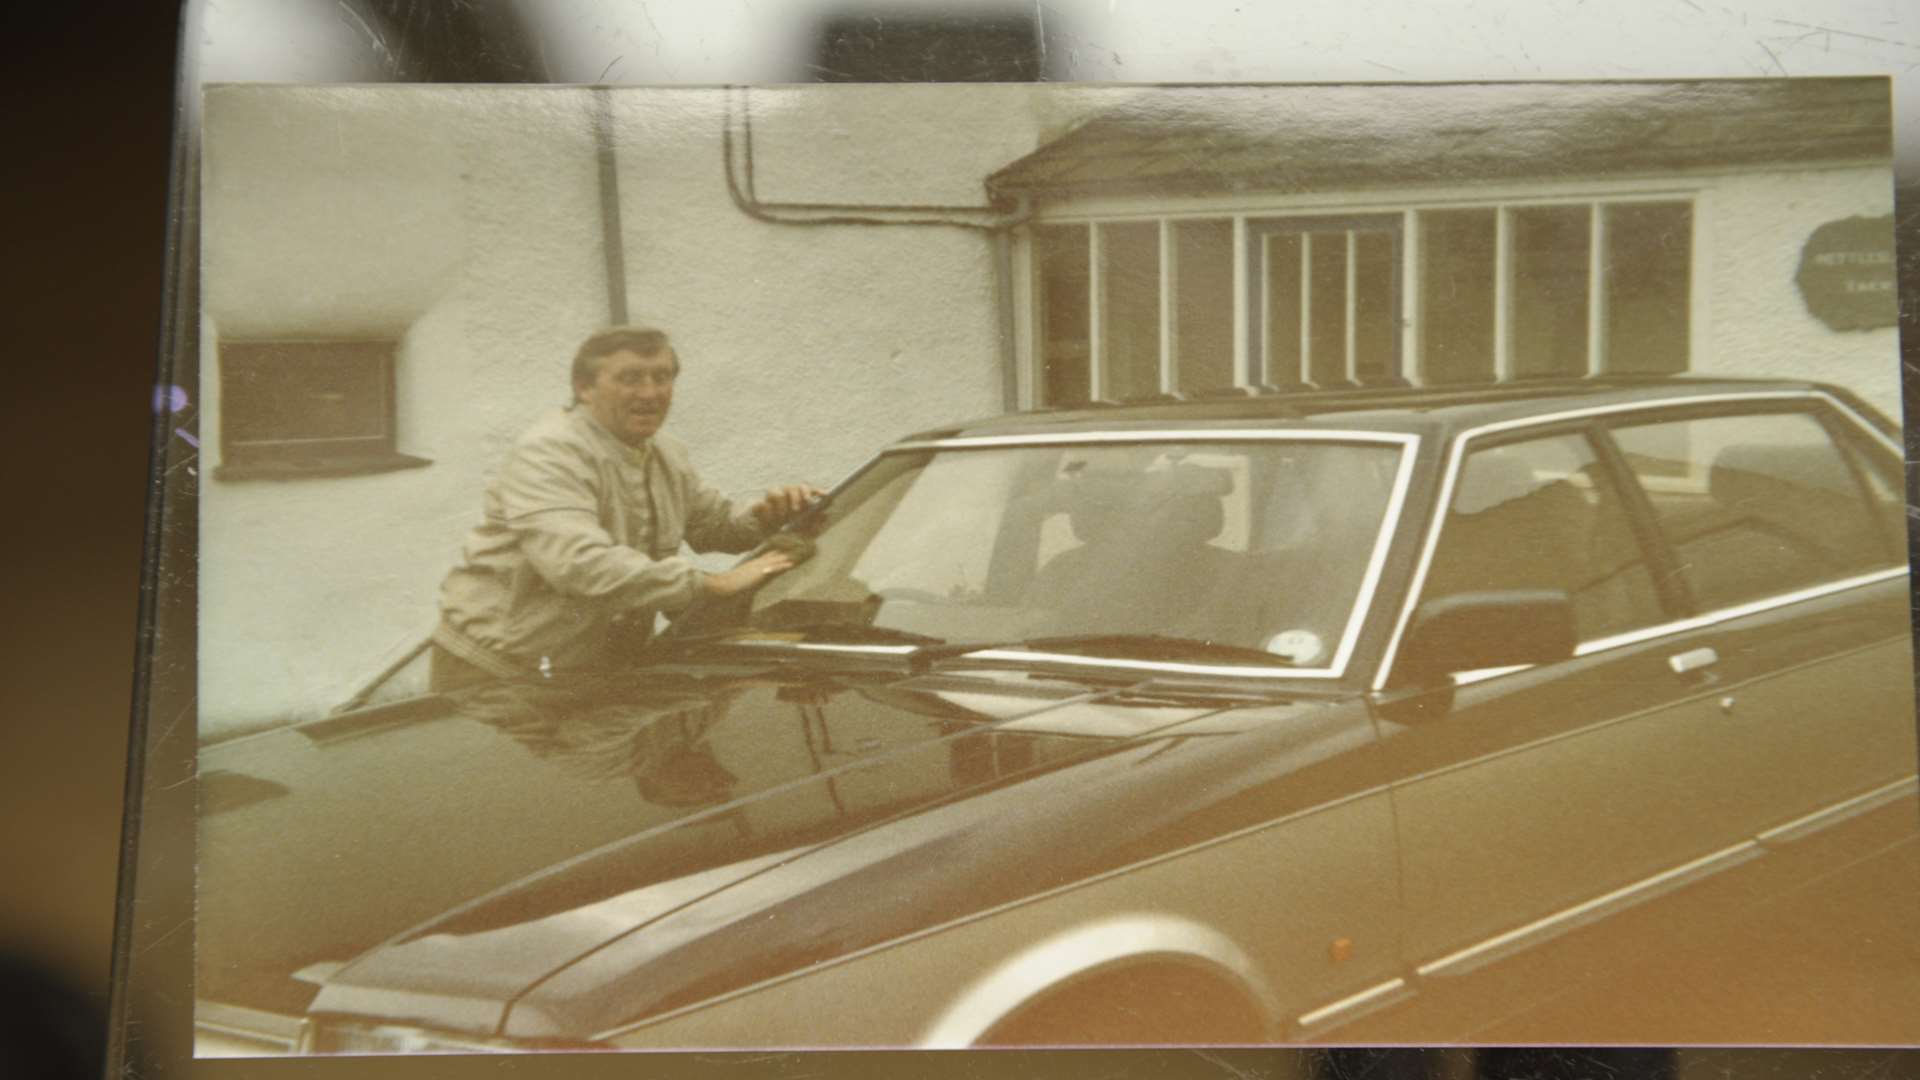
[[464, 221], [1757, 323], [467, 221], [808, 346]]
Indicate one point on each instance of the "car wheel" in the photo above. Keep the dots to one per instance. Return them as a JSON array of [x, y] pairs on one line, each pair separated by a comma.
[[1159, 1004]]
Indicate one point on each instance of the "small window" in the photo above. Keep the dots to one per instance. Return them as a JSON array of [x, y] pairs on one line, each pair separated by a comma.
[[1755, 506], [290, 408], [1544, 515]]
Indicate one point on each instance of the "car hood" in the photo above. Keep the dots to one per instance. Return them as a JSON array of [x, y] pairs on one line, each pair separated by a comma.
[[575, 860]]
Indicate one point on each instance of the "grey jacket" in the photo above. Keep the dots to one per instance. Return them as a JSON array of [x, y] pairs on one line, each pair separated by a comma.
[[581, 530]]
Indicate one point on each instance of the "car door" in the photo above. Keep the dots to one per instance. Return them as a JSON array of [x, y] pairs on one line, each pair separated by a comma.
[[1541, 790], [1787, 529]]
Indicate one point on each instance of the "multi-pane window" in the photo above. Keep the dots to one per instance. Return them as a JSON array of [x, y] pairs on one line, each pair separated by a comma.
[[1558, 290], [1329, 294], [1128, 309]]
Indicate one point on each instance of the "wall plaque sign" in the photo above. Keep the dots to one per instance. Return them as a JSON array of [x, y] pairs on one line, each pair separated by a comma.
[[1847, 273]]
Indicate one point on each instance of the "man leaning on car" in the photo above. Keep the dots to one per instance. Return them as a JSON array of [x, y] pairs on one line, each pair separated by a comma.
[[584, 521]]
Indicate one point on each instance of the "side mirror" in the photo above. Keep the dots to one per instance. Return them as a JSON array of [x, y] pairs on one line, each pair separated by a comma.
[[1471, 631]]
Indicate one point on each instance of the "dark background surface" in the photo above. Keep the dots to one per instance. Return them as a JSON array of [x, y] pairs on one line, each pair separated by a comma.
[[89, 93], [88, 128]]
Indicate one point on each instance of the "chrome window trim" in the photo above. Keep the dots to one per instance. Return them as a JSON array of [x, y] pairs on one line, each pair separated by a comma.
[[1752, 607], [1696, 622], [1156, 435], [1408, 443], [1456, 455]]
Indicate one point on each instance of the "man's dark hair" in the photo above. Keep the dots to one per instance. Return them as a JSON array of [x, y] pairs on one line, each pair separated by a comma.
[[639, 340]]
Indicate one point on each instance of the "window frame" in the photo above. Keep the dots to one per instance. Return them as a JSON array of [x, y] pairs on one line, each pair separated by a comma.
[[1822, 405], [1655, 552], [292, 456], [1845, 447], [1249, 214], [1256, 228], [1347, 660]]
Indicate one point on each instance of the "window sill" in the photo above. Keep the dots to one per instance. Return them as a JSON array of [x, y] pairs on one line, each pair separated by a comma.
[[313, 468]]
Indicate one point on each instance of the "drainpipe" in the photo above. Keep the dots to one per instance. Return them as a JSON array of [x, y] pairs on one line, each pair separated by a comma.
[[1003, 299], [611, 241], [996, 222]]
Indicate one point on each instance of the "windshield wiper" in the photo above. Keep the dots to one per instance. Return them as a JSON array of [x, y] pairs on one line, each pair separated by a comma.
[[1150, 647]]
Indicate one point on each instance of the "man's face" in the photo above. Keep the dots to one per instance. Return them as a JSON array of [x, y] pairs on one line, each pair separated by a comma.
[[631, 394]]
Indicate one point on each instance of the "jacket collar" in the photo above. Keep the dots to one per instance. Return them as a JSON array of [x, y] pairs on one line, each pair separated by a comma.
[[632, 455]]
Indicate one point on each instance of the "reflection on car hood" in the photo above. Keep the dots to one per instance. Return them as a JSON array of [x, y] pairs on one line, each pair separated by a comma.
[[750, 825]]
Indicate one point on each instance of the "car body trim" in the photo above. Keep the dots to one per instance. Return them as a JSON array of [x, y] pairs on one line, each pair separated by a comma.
[[1807, 824], [1573, 733], [1456, 455], [1646, 888], [1364, 997], [1107, 944], [1011, 905], [1532, 933], [247, 1024]]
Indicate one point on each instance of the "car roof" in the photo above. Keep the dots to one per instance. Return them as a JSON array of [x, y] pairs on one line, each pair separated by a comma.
[[1436, 411]]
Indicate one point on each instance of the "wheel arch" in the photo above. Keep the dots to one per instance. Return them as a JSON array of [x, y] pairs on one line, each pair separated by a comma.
[[1090, 951]]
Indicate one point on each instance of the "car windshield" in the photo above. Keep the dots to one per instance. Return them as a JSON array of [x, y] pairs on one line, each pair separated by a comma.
[[1255, 549]]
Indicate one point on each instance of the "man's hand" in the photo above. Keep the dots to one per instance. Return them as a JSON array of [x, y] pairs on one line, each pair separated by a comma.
[[751, 574], [782, 503]]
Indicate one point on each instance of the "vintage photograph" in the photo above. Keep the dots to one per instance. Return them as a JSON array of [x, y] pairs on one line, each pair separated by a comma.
[[1051, 565]]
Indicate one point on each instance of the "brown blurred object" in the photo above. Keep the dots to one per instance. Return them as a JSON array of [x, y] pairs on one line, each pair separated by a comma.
[[88, 109]]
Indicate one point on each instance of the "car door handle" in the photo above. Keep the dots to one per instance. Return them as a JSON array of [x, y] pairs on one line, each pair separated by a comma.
[[1693, 660]]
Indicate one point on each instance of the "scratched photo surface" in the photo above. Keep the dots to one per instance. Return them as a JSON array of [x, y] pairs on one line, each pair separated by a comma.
[[1069, 566]]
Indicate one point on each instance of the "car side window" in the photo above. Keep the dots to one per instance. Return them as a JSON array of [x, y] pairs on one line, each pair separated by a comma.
[[1885, 479], [1543, 514], [1755, 506]]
